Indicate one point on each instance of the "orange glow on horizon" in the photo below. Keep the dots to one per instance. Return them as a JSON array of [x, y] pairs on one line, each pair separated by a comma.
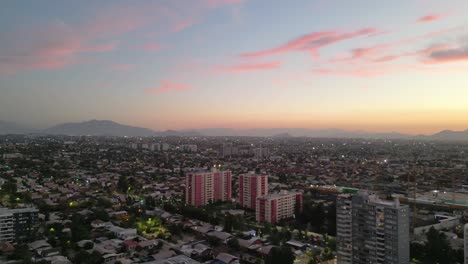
[[410, 122]]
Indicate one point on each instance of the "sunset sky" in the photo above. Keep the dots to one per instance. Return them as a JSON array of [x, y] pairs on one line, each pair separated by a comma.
[[399, 65]]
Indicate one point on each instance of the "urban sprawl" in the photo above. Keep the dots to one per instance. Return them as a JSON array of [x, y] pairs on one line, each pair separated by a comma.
[[227, 200]]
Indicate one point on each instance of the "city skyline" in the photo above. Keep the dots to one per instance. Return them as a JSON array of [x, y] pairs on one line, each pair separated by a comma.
[[397, 66]]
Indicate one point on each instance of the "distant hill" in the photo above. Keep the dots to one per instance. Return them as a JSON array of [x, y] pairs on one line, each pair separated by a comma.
[[14, 128], [98, 128], [448, 135], [111, 128], [298, 132], [180, 133], [282, 135]]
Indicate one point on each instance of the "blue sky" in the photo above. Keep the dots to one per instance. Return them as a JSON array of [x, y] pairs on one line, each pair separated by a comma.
[[371, 65]]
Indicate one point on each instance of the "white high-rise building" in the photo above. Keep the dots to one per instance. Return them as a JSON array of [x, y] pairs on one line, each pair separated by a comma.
[[17, 224], [466, 243], [370, 230]]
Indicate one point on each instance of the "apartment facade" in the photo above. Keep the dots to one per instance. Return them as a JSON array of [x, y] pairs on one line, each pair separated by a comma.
[[466, 243], [251, 186], [17, 224], [370, 230], [205, 186], [274, 207]]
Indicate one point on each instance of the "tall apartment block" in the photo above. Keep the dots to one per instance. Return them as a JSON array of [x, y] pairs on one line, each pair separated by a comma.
[[274, 207], [229, 150], [370, 230], [260, 153], [205, 186], [251, 186], [17, 224], [466, 242]]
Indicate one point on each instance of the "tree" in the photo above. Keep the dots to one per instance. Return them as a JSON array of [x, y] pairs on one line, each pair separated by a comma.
[[437, 247], [150, 202], [88, 245], [80, 229], [228, 223], [214, 242], [327, 254], [275, 237], [22, 253], [83, 257], [234, 244], [123, 185], [103, 202], [101, 214], [280, 255], [436, 250], [9, 187], [267, 227]]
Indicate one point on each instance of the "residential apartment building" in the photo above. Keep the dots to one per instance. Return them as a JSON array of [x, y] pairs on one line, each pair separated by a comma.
[[261, 153], [466, 243], [205, 186], [251, 186], [228, 150], [274, 207], [370, 230], [17, 224]]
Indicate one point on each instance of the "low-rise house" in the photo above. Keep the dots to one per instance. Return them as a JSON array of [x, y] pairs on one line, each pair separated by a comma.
[[130, 244], [58, 260], [265, 250], [223, 236], [296, 245], [39, 245], [179, 259], [111, 258], [98, 224], [109, 246], [149, 244], [224, 258], [196, 250], [123, 233], [250, 243]]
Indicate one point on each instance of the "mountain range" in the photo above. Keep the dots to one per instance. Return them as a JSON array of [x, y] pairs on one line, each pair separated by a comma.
[[111, 128]]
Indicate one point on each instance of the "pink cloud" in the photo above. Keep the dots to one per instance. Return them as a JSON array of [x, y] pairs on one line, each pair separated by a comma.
[[430, 18], [53, 46], [119, 19], [99, 48], [152, 46], [57, 45], [423, 52], [167, 86], [313, 42], [363, 71], [380, 53], [387, 58], [181, 25], [263, 66], [363, 53], [446, 54]]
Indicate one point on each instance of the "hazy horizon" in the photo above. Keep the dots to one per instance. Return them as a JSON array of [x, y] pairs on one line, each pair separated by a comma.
[[201, 129], [362, 65]]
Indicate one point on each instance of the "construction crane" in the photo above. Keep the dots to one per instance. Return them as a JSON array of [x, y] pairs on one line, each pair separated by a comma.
[[412, 176], [453, 188], [415, 209]]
